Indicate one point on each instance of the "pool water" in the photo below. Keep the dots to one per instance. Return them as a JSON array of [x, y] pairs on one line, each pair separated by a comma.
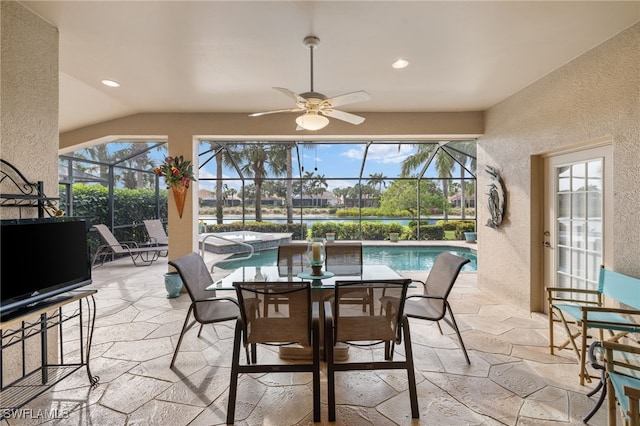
[[400, 258]]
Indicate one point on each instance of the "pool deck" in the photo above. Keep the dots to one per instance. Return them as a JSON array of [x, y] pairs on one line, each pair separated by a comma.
[[512, 379]]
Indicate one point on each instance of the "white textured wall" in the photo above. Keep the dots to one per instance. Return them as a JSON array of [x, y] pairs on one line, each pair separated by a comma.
[[28, 126], [29, 103], [596, 95]]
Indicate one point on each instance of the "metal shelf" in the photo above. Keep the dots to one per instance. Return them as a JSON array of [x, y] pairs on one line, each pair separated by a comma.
[[49, 316]]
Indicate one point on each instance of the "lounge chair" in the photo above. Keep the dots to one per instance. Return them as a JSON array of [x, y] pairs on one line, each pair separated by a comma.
[[141, 256], [157, 234]]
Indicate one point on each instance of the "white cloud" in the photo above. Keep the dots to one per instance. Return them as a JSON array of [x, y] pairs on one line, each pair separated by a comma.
[[389, 153], [381, 153]]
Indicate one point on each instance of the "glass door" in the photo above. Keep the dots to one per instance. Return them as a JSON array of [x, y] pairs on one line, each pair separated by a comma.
[[577, 208]]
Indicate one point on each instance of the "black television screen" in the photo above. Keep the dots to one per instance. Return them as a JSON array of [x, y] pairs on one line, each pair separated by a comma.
[[40, 258]]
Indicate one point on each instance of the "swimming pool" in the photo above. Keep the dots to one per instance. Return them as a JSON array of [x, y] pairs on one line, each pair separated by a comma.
[[400, 258]]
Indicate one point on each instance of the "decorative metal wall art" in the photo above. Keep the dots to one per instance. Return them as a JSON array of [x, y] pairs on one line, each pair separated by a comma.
[[497, 198]]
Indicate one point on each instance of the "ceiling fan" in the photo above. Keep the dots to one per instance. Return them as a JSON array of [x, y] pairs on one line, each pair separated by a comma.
[[316, 106]]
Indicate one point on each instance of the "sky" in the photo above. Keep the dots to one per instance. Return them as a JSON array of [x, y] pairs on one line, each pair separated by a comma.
[[340, 164]]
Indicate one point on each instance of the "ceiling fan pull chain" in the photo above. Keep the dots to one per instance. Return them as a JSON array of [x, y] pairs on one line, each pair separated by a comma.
[[311, 50]]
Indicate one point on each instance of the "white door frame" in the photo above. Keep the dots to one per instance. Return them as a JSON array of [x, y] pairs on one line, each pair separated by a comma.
[[603, 150]]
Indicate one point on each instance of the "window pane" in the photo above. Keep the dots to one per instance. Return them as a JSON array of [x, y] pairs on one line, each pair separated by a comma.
[[564, 179], [594, 170], [578, 174]]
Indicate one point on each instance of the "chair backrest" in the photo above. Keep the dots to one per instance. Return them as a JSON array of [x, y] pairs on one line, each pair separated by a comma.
[[622, 288], [291, 323], [443, 274], [109, 238], [292, 258], [352, 324], [156, 232], [196, 278], [344, 258]]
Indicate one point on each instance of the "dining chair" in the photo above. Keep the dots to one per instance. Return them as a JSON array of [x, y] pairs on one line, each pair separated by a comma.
[[296, 322], [141, 256], [385, 325], [432, 304], [292, 258], [205, 306], [344, 259]]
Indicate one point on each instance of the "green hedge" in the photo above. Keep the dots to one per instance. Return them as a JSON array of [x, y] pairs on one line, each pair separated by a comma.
[[428, 232], [371, 212], [351, 231], [131, 206]]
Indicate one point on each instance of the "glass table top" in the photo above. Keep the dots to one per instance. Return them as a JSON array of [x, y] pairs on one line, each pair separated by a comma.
[[272, 273]]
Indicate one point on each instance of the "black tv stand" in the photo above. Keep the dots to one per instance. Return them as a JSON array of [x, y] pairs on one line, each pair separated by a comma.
[[50, 315]]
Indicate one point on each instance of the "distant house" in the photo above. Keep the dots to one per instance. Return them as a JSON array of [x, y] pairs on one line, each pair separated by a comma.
[[327, 199], [456, 200]]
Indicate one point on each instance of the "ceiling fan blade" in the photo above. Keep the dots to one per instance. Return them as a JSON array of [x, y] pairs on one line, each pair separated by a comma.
[[297, 98], [349, 98], [257, 114], [344, 116]]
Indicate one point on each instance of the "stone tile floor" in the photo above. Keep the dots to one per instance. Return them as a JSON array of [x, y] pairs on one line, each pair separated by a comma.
[[512, 379]]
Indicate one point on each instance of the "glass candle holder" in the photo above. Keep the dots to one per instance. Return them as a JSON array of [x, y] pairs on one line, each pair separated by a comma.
[[316, 256]]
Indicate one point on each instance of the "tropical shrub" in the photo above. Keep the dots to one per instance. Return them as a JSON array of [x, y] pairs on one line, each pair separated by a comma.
[[463, 227], [427, 232]]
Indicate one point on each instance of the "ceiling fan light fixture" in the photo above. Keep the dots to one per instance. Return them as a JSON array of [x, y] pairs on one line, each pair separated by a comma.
[[400, 63], [312, 121]]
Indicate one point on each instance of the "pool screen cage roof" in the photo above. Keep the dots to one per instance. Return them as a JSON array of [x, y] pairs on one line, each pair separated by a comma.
[[241, 165]]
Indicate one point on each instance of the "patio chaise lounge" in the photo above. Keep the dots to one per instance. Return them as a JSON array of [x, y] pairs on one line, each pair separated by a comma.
[[141, 256], [157, 234]]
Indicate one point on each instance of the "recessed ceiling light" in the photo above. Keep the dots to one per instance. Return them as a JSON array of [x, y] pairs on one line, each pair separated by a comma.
[[110, 83], [400, 63]]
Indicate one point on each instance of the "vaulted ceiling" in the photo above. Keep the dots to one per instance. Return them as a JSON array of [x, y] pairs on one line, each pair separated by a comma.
[[217, 56]]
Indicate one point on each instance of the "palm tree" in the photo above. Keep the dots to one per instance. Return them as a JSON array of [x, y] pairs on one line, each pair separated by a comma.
[[340, 193], [464, 153], [377, 179], [100, 154], [219, 150], [289, 183], [319, 185], [444, 166], [257, 160]]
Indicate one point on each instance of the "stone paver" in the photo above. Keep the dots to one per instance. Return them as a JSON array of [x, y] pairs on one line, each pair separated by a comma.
[[512, 380]]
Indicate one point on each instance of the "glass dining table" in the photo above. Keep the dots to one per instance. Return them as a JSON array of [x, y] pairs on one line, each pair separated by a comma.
[[325, 282], [322, 288]]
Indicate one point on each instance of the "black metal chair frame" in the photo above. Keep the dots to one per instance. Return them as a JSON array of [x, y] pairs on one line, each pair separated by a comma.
[[248, 311], [331, 324], [141, 256], [188, 266], [446, 267]]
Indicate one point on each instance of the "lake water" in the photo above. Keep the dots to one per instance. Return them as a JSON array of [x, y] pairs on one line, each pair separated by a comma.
[[211, 220]]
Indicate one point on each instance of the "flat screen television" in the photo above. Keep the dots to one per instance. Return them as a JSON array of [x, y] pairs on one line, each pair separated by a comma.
[[41, 258]]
